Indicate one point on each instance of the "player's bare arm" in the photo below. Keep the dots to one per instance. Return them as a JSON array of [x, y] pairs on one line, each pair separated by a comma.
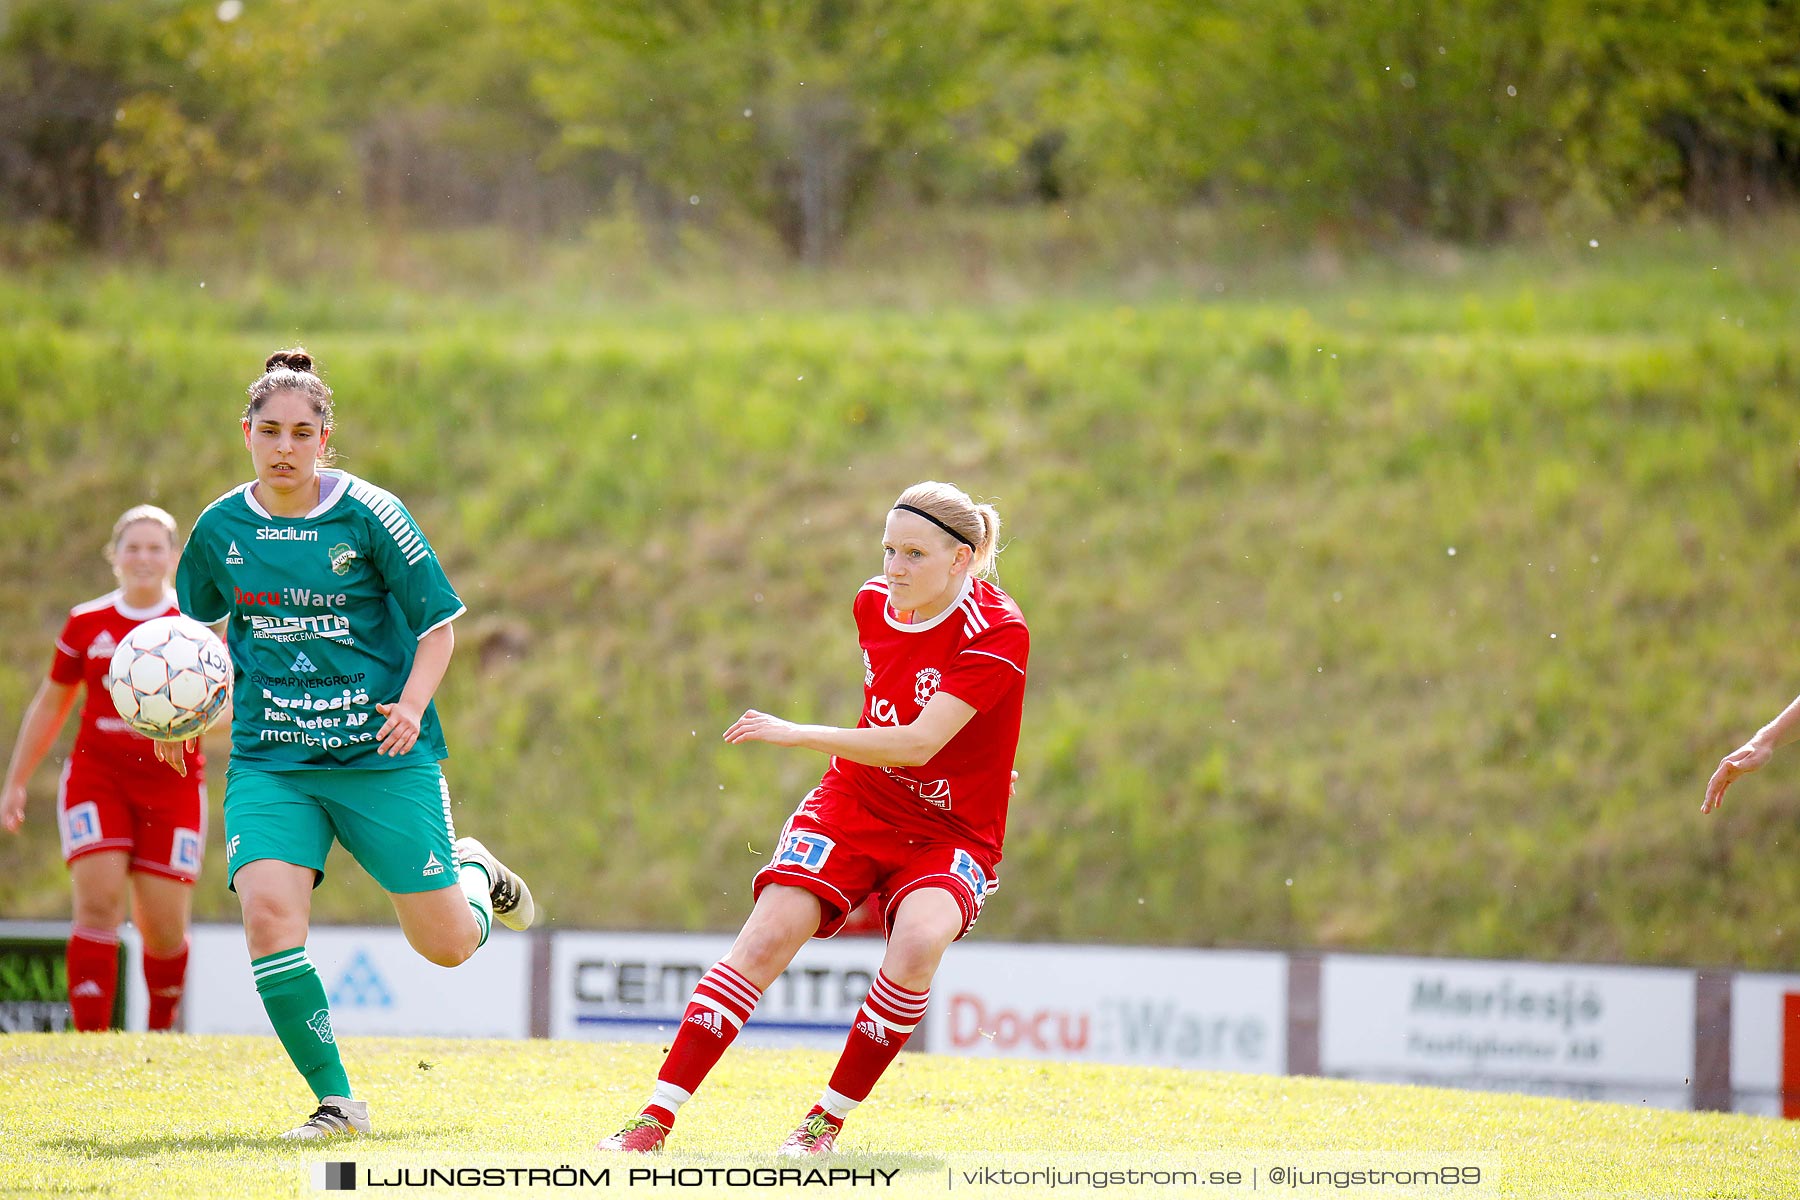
[[1752, 754], [50, 707], [878, 746], [400, 732]]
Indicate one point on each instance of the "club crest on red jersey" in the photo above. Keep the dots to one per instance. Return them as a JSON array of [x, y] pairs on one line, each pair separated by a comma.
[[925, 685]]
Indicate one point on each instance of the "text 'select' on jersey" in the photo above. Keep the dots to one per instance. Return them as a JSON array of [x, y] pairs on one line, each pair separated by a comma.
[[325, 615]]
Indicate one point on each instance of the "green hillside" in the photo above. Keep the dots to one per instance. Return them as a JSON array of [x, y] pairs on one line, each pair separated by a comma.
[[1390, 605]]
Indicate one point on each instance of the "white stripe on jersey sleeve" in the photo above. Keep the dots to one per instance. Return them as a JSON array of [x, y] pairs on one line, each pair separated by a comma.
[[1009, 662], [459, 612], [394, 521], [387, 510]]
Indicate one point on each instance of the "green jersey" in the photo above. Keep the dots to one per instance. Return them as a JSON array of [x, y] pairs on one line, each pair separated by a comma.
[[326, 612]]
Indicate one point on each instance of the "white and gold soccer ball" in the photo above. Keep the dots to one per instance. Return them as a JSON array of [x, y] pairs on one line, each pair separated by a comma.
[[170, 678]]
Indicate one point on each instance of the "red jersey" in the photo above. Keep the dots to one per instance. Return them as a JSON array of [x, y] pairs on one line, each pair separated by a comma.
[[84, 650], [975, 650]]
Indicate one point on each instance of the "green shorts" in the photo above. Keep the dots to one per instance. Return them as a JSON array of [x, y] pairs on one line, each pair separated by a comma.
[[396, 822]]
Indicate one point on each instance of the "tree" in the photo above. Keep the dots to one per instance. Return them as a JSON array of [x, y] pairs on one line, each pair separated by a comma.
[[1461, 118], [118, 115], [783, 108]]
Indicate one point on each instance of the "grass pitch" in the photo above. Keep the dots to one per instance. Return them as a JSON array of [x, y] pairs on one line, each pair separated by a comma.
[[133, 1115]]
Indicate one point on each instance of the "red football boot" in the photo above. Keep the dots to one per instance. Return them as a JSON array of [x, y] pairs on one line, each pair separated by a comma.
[[641, 1135], [816, 1135]]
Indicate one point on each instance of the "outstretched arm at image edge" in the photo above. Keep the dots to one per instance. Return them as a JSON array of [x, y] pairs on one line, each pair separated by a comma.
[[1752, 754]]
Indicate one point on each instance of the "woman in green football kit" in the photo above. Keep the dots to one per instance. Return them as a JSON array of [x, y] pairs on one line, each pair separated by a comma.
[[339, 625]]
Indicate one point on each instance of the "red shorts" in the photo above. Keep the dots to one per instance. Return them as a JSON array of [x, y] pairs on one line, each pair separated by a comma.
[[150, 811], [836, 849]]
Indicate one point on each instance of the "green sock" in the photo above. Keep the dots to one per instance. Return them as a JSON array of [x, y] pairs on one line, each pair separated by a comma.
[[295, 1000], [476, 885]]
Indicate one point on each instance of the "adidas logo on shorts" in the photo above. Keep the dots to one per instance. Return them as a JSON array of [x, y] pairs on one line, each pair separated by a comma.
[[88, 988], [710, 1021]]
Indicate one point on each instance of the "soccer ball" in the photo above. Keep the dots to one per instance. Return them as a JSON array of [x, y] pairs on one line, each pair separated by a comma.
[[170, 678]]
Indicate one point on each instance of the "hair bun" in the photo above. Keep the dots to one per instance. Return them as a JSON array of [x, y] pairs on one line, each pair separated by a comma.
[[296, 359]]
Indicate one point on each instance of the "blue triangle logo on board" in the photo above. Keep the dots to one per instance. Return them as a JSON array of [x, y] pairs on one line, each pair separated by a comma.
[[361, 986]]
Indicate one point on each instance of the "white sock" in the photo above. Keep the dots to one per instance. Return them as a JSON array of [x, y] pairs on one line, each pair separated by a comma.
[[476, 885], [667, 1095], [837, 1104]]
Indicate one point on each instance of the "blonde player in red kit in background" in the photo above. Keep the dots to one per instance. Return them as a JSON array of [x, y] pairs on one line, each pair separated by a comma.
[[912, 809], [122, 815]]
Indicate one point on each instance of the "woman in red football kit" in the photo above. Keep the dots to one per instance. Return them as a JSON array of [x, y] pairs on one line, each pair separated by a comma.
[[912, 809], [123, 816]]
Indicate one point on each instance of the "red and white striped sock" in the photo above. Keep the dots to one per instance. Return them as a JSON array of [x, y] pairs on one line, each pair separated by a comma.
[[723, 1000], [93, 965], [165, 979], [883, 1023]]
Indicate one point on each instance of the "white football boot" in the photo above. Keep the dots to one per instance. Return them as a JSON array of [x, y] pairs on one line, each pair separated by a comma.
[[335, 1115], [510, 897]]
